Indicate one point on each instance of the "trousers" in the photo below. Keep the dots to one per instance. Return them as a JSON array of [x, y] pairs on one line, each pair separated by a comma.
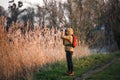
[[69, 60]]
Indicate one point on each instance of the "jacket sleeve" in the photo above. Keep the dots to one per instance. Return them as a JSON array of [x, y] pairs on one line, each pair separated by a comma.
[[63, 36]]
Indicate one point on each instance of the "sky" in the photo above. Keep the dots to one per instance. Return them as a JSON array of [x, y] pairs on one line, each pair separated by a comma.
[[5, 3]]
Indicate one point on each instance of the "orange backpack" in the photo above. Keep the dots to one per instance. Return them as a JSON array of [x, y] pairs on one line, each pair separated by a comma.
[[74, 41]]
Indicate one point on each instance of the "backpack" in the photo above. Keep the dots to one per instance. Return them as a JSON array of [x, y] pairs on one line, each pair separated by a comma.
[[74, 41], [74, 44]]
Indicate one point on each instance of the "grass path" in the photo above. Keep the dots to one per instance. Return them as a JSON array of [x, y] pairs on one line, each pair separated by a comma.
[[97, 69], [84, 68]]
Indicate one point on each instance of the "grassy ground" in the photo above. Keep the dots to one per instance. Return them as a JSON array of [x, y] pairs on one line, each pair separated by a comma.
[[57, 70], [111, 73]]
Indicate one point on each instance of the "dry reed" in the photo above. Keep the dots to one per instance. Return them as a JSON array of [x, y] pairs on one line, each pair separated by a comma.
[[22, 54]]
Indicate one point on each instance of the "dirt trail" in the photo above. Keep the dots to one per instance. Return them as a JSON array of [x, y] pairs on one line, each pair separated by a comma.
[[95, 70]]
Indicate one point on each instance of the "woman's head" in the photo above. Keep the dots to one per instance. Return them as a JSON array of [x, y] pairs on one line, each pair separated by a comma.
[[69, 31]]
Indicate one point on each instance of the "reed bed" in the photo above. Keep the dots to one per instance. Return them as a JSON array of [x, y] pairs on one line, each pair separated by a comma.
[[23, 52]]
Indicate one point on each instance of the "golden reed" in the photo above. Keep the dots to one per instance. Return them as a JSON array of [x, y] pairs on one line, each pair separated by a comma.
[[22, 53]]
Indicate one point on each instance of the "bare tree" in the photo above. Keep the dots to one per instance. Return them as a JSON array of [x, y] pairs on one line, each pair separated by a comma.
[[111, 18], [2, 11]]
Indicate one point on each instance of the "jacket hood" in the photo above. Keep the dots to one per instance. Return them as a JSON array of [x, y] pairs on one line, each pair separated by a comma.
[[70, 31]]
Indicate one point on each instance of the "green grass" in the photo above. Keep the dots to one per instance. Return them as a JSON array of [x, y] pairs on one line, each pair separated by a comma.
[[111, 73], [57, 70]]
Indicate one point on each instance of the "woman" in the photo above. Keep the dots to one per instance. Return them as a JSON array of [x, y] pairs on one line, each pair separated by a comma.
[[67, 41]]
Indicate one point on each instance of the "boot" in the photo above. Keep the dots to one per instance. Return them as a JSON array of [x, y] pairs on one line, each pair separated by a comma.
[[71, 74], [68, 72]]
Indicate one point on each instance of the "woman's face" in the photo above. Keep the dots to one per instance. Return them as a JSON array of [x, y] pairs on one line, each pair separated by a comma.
[[66, 32]]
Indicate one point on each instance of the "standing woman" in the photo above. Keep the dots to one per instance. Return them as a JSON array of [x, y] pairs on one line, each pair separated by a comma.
[[67, 41]]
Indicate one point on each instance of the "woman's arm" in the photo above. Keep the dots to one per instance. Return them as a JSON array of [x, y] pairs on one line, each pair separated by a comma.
[[63, 36]]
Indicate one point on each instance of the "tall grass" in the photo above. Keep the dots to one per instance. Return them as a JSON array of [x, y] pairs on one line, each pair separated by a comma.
[[22, 54]]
